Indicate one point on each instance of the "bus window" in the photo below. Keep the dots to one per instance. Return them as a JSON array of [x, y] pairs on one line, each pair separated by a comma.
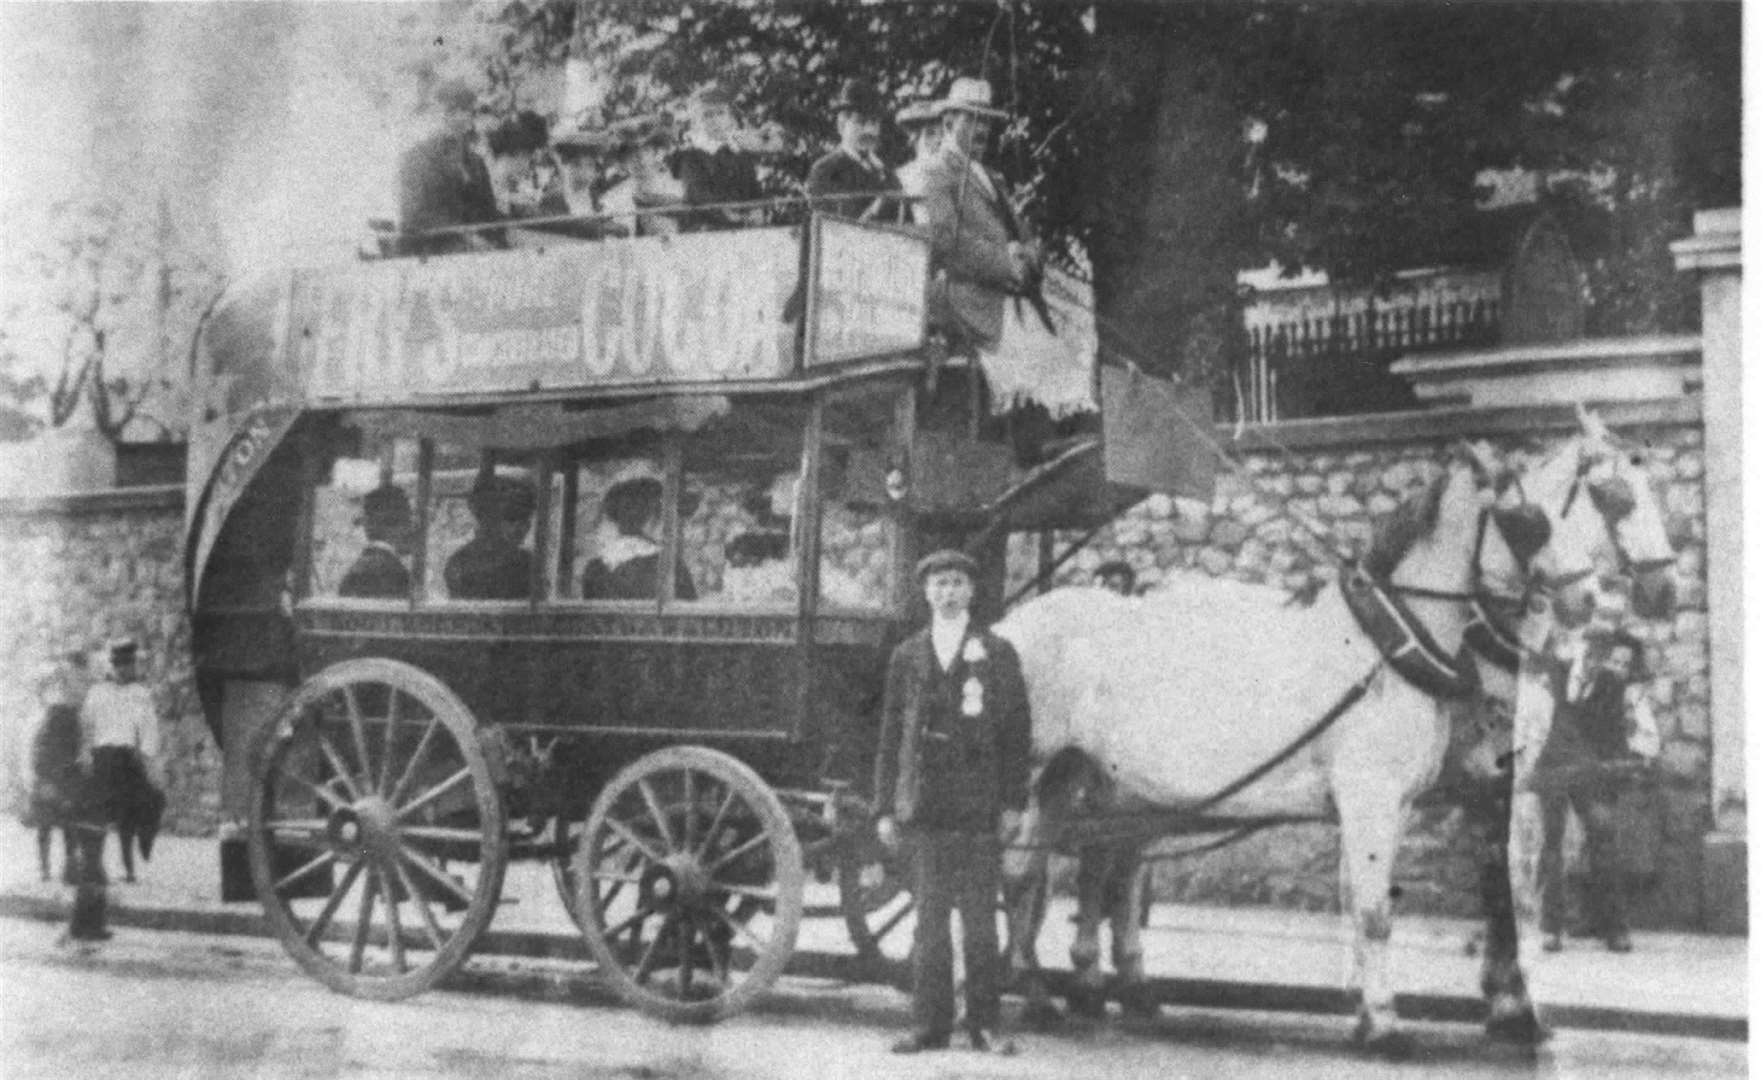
[[615, 548], [859, 535], [480, 527], [738, 507], [362, 523]]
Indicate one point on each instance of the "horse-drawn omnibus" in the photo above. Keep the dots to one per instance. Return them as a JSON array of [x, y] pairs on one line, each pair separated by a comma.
[[590, 553]]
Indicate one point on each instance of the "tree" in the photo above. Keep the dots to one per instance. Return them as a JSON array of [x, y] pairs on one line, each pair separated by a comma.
[[100, 313], [1176, 144]]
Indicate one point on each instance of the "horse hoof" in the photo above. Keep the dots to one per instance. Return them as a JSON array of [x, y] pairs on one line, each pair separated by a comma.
[[1391, 1044], [1041, 1016], [1087, 1004], [1519, 1028], [1139, 1006]]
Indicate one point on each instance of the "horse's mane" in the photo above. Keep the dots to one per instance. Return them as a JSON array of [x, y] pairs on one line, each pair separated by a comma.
[[1416, 516]]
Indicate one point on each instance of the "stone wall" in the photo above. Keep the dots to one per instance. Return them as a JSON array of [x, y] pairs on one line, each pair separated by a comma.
[[81, 570], [1341, 476]]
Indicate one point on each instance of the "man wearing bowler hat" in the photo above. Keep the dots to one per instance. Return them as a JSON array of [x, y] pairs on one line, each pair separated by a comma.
[[854, 169], [379, 571], [951, 768], [982, 252], [122, 733]]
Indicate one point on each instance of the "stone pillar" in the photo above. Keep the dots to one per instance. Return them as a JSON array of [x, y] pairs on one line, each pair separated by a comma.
[[1713, 253]]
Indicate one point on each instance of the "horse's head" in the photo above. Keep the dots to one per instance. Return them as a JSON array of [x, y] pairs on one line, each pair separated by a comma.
[[1429, 541], [1603, 513]]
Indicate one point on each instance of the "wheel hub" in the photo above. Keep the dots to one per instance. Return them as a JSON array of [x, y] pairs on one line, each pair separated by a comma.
[[368, 824], [678, 881]]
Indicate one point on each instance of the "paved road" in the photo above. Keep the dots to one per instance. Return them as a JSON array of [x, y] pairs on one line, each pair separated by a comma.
[[151, 1005]]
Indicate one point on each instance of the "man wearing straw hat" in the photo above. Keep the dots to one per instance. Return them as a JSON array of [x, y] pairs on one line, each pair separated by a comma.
[[982, 251], [952, 766]]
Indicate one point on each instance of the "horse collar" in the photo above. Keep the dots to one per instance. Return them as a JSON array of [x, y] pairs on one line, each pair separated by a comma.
[[1404, 641]]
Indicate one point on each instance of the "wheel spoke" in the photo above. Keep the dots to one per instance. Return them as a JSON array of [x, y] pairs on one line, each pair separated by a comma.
[[324, 858], [738, 928], [893, 920], [642, 912], [386, 744], [763, 896], [691, 794], [336, 759], [435, 933], [728, 800], [363, 922], [438, 833], [655, 812], [634, 840], [645, 964], [435, 792], [435, 874], [304, 826], [329, 911], [318, 791], [622, 878], [358, 730], [683, 930], [395, 926], [735, 853], [718, 955], [415, 762]]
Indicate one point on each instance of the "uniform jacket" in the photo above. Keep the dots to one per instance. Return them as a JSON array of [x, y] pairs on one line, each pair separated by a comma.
[[970, 233], [999, 780], [442, 182], [377, 572], [486, 568], [723, 176], [839, 173], [1587, 730]]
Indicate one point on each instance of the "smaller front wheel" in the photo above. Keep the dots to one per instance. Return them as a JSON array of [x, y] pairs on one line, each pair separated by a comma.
[[689, 884]]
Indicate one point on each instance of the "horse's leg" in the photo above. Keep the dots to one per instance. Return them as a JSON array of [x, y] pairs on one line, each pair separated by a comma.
[[1089, 995], [1125, 927], [1510, 1014], [1372, 813], [1025, 909]]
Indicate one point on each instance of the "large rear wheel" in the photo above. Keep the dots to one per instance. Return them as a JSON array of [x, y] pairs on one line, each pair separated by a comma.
[[377, 837], [689, 884]]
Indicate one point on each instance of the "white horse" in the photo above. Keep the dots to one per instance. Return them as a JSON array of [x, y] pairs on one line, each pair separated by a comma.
[[1223, 702], [1591, 500], [1595, 508], [1604, 515]]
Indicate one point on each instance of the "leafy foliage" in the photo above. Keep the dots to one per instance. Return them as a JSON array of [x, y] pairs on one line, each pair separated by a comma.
[[1176, 144], [98, 316]]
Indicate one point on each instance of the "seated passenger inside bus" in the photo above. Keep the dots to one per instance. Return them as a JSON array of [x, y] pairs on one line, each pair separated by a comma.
[[627, 563], [379, 572], [493, 564]]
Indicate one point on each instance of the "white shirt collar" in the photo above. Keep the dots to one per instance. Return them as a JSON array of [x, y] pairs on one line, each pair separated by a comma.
[[946, 636]]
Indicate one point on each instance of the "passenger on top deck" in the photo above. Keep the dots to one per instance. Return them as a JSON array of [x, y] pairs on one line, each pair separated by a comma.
[[853, 169], [442, 182], [379, 571], [583, 152], [718, 167], [982, 251], [493, 565], [922, 121], [527, 177], [627, 563], [640, 152]]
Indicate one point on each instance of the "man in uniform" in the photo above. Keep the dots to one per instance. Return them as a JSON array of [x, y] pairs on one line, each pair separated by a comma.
[[122, 731], [951, 768], [442, 182], [493, 565], [981, 250], [853, 169], [379, 570]]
